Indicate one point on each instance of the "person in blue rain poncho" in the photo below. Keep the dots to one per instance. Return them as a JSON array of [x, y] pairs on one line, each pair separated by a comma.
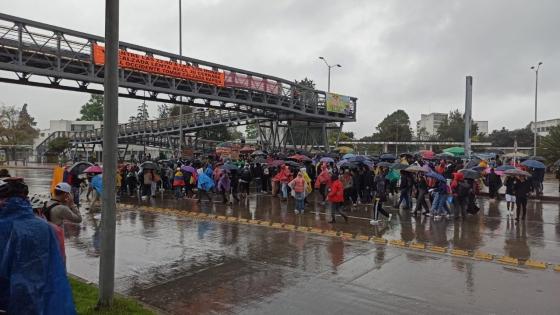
[[32, 274], [204, 185]]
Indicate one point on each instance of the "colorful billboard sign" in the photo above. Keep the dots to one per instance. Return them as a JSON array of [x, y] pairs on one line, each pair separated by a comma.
[[337, 103], [131, 61]]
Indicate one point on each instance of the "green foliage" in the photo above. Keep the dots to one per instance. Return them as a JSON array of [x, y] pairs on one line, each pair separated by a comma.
[[506, 138], [453, 127], [395, 127], [307, 83], [93, 109], [17, 126], [549, 146], [166, 111], [58, 145], [251, 131], [219, 133], [86, 296]]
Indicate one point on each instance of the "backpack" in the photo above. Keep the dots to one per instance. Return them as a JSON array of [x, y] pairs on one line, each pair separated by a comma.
[[46, 211], [463, 190]]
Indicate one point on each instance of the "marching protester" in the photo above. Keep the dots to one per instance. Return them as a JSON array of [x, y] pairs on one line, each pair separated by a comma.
[[336, 198], [380, 196], [521, 188], [298, 186], [510, 196]]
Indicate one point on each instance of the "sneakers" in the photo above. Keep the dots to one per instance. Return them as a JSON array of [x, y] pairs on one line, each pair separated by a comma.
[[390, 216], [296, 212], [447, 216], [437, 217], [374, 222], [427, 214]]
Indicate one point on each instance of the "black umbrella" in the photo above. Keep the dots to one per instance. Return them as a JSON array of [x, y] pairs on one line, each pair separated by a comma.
[[79, 167], [399, 166], [384, 164], [258, 152], [387, 157], [471, 174], [229, 167], [292, 163], [536, 158], [260, 160]]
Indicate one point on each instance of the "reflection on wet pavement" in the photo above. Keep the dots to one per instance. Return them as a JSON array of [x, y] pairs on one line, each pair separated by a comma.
[[188, 266]]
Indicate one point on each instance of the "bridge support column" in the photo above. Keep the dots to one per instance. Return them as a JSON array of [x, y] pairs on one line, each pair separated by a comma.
[[385, 147], [325, 137]]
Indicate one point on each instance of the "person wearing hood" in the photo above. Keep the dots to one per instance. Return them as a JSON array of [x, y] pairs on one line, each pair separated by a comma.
[[323, 181], [224, 186], [245, 180], [204, 185], [284, 177], [336, 198], [298, 186], [461, 191], [494, 183], [32, 274], [178, 183], [380, 196]]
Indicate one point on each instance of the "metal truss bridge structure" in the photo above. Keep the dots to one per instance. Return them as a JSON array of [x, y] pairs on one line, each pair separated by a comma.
[[42, 55]]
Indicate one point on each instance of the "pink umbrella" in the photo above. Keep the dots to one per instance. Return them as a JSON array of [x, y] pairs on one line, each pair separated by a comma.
[[499, 173], [94, 169]]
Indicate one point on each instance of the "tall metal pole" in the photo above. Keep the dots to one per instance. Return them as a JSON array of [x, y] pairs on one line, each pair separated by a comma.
[[110, 149], [536, 92], [324, 125], [180, 54], [468, 114]]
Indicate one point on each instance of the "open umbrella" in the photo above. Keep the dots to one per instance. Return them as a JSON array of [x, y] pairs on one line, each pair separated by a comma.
[[536, 158], [533, 164], [148, 165], [470, 173], [384, 164], [399, 166], [94, 169], [557, 163], [516, 172], [344, 149], [348, 156], [292, 163], [299, 157], [259, 160], [79, 167], [246, 149], [358, 158], [427, 154], [229, 167], [455, 150], [387, 157], [435, 175], [258, 152], [188, 168], [327, 159], [277, 163], [515, 154], [416, 169], [505, 167]]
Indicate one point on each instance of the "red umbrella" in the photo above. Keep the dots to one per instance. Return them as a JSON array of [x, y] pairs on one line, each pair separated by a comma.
[[246, 149], [299, 157], [277, 163], [427, 154], [94, 169]]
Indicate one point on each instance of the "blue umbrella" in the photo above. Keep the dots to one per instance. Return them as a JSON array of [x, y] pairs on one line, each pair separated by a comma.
[[477, 168], [358, 158], [435, 175], [533, 164], [348, 156], [384, 164], [327, 159], [504, 167]]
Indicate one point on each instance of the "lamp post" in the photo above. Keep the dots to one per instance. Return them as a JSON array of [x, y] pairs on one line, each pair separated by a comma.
[[180, 105], [324, 126], [536, 68]]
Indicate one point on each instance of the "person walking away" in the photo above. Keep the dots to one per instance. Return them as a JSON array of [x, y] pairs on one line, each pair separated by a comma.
[[178, 183], [224, 186], [204, 185], [406, 190], [510, 196], [421, 192], [522, 187], [460, 190], [380, 196], [323, 181], [147, 180], [284, 177], [245, 181], [257, 174], [336, 198], [440, 200], [298, 186], [265, 179], [32, 274], [156, 178], [355, 186], [234, 185], [494, 183], [367, 183]]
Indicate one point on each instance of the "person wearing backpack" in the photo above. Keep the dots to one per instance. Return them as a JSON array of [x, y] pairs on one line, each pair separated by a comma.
[[336, 198], [460, 190]]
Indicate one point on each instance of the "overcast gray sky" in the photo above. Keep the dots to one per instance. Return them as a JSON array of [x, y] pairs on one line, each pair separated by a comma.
[[411, 55]]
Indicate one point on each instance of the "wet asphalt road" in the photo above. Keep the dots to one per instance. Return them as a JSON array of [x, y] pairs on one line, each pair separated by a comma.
[[187, 266]]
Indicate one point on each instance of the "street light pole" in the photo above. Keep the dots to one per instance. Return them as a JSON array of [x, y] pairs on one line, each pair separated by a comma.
[[180, 105], [110, 149], [324, 126], [536, 92]]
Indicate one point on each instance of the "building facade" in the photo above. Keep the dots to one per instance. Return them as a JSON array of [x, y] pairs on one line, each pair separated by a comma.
[[482, 126], [428, 125], [543, 126]]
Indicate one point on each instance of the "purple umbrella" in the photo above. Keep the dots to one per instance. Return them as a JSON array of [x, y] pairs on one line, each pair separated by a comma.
[[95, 169], [326, 159], [188, 168]]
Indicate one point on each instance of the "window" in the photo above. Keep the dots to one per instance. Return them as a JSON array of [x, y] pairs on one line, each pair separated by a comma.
[[81, 127]]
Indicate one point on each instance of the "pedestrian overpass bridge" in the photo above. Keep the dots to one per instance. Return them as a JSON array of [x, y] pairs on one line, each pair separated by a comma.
[[42, 55]]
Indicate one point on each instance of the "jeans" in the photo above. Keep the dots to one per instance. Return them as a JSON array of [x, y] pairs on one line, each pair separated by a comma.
[[439, 206], [300, 205], [258, 184], [178, 192], [76, 194], [285, 190], [421, 201], [405, 195]]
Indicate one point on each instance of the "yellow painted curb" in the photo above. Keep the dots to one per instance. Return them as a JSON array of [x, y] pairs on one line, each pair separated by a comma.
[[557, 268], [378, 240], [254, 222], [347, 235], [506, 260], [459, 252], [362, 237], [233, 219], [398, 243], [535, 264], [330, 232], [276, 225], [289, 227], [417, 245], [315, 230], [483, 256], [438, 249]]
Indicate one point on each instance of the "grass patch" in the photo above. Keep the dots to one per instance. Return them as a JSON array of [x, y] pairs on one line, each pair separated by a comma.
[[85, 299]]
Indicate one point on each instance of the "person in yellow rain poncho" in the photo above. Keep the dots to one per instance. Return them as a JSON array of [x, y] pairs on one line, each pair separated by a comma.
[[57, 177], [308, 186]]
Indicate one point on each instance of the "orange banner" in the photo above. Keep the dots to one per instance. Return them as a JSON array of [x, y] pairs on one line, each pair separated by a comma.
[[149, 64]]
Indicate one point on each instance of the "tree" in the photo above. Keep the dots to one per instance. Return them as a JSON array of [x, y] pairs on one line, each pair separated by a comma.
[[452, 128], [58, 145], [251, 131], [307, 83], [163, 111], [17, 127], [93, 109], [549, 146], [395, 127], [141, 113]]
